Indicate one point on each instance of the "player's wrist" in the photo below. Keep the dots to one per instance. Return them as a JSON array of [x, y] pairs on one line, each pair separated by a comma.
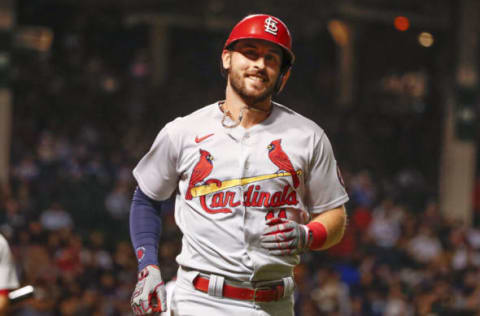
[[144, 265], [150, 266], [317, 235], [146, 255]]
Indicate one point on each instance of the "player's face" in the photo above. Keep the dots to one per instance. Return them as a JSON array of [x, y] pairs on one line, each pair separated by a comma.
[[254, 67]]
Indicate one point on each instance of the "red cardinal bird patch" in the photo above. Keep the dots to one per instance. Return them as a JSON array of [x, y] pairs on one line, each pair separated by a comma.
[[201, 170], [281, 160]]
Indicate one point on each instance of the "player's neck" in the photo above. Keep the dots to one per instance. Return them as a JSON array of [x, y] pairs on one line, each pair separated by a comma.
[[251, 114]]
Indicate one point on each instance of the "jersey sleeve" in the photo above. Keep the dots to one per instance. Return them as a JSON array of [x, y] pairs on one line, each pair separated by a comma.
[[325, 188], [8, 273], [156, 173]]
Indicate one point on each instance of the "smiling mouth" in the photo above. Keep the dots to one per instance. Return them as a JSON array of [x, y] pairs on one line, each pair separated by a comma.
[[256, 78]]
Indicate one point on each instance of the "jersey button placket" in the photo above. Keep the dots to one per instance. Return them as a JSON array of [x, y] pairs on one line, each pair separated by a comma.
[[244, 165], [245, 149]]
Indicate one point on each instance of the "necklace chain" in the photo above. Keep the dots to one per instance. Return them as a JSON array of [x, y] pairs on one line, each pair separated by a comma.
[[227, 113]]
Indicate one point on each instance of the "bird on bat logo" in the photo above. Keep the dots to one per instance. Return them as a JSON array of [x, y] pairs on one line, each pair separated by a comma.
[[201, 170], [281, 160]]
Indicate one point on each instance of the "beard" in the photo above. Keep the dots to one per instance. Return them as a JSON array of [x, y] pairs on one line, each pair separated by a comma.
[[237, 82]]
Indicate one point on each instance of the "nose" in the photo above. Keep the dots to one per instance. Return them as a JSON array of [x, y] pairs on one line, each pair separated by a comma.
[[260, 62]]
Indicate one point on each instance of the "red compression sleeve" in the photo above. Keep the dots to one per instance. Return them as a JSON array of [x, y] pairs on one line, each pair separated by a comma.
[[319, 233]]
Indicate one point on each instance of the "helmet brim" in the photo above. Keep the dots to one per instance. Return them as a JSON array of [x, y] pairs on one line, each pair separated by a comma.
[[287, 52]]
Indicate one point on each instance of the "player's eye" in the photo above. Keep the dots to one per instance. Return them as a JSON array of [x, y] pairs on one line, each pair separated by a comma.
[[250, 53], [272, 58]]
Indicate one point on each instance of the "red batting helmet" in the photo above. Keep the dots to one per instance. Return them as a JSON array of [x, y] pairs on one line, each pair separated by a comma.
[[264, 27]]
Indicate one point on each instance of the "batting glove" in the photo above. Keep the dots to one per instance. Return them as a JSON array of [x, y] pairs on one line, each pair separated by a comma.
[[286, 237], [150, 296]]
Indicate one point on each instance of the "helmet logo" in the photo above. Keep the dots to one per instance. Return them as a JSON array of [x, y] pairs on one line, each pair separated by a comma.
[[271, 26]]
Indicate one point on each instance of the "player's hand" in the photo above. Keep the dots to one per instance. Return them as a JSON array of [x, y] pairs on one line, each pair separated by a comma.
[[150, 296], [285, 237]]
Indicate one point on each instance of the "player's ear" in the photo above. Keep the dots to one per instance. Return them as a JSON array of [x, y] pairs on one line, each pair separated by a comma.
[[284, 79], [226, 59]]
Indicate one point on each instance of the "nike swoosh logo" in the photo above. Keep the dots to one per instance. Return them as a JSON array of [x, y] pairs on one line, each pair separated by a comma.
[[201, 139]]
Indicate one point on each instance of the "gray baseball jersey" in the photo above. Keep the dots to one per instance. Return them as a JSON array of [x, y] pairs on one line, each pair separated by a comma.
[[8, 274], [229, 181]]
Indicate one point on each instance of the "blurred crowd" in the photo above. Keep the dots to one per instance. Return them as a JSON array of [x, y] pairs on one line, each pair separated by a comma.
[[398, 257], [85, 112]]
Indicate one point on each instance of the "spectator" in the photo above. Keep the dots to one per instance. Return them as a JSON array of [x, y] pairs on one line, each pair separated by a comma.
[[396, 304], [117, 201], [55, 218], [331, 295], [425, 246], [385, 227]]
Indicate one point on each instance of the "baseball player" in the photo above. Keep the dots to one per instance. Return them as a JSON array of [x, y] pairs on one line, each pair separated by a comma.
[[8, 275], [256, 185]]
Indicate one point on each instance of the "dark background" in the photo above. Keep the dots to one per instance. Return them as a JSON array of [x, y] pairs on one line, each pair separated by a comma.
[[88, 107]]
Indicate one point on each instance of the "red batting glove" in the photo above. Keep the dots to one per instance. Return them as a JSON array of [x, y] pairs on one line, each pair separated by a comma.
[[287, 237]]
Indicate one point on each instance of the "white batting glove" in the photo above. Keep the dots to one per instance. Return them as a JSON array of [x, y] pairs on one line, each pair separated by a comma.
[[149, 296], [286, 237]]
